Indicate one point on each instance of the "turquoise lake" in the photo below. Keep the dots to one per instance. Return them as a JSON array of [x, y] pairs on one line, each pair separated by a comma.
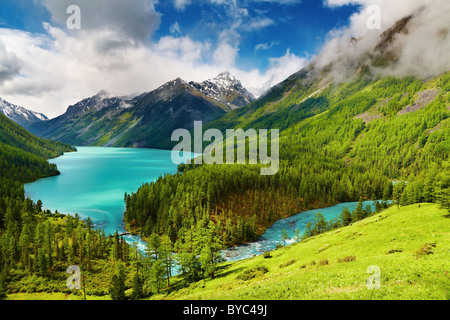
[[93, 182]]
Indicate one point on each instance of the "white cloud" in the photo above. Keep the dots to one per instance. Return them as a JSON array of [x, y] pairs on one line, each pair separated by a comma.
[[422, 52], [181, 4], [266, 46], [10, 64], [50, 71], [279, 70], [136, 21], [175, 29], [258, 23], [60, 69]]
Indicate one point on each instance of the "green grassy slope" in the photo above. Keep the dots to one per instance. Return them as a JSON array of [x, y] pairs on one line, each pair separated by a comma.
[[390, 240]]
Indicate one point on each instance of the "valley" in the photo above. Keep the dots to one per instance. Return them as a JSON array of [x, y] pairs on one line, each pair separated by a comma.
[[356, 206]]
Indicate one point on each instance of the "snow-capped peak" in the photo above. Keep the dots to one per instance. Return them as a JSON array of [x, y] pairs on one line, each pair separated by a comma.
[[20, 115], [225, 76], [225, 88], [225, 80]]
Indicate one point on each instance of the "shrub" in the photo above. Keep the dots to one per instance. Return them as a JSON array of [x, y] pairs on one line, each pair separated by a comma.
[[346, 259], [267, 255], [279, 246], [252, 273], [426, 249], [323, 262], [394, 250], [313, 263], [325, 247], [288, 263]]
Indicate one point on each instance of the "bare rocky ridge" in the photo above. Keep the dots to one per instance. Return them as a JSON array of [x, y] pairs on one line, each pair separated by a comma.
[[424, 99]]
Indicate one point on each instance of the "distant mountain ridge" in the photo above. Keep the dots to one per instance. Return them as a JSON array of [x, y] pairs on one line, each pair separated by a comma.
[[20, 115], [146, 120]]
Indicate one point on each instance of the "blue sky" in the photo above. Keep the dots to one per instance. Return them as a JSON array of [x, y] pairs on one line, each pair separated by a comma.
[[131, 46], [300, 26]]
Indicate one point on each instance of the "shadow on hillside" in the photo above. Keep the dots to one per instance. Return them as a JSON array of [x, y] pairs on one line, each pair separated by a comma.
[[222, 273], [447, 216]]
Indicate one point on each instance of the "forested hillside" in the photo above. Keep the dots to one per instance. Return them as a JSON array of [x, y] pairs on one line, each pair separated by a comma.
[[23, 157]]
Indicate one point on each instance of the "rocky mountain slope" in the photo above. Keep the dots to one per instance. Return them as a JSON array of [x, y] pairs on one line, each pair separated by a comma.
[[149, 119], [227, 89]]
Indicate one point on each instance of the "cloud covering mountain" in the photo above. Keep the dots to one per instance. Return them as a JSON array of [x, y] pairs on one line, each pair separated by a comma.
[[422, 43]]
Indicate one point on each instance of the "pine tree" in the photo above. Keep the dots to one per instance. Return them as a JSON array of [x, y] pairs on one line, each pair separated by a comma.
[[308, 230], [154, 246], [346, 217], [3, 275], [117, 249], [39, 206], [3, 293], [397, 193], [157, 274], [359, 213], [211, 252], [443, 187], [117, 289], [297, 235], [167, 256], [320, 223], [138, 287], [187, 256], [42, 262], [284, 237]]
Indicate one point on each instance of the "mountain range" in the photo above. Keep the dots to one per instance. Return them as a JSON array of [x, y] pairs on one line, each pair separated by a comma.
[[146, 120]]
